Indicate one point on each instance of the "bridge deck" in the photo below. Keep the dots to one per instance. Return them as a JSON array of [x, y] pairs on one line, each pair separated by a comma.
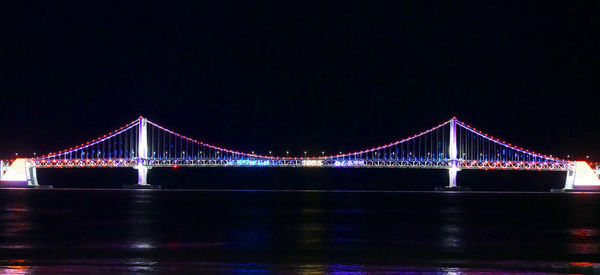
[[424, 164]]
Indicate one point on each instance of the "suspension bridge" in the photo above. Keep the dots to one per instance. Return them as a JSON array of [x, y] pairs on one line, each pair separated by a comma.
[[452, 145]]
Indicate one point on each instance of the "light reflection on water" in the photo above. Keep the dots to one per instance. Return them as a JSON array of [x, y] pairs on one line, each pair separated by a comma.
[[303, 233], [141, 231], [141, 265], [16, 266], [584, 241], [146, 266], [17, 213], [451, 218]]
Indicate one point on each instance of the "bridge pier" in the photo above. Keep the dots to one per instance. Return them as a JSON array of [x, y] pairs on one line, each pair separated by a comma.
[[20, 174], [142, 158], [1, 169], [452, 176], [142, 179], [32, 179], [142, 175], [452, 173]]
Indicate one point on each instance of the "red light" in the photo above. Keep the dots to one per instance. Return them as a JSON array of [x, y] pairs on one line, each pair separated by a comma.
[[581, 263], [175, 166]]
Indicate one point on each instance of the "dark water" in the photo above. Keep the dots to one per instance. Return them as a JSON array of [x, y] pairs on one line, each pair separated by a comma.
[[114, 231]]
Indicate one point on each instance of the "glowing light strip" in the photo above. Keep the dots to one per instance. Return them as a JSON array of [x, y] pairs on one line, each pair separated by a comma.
[[248, 162], [497, 141], [94, 141], [349, 163], [312, 162]]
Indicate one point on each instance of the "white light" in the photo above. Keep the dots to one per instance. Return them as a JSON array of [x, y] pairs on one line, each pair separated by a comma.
[[142, 245], [312, 163]]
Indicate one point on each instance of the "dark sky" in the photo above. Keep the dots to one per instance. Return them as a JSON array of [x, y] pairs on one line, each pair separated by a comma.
[[320, 76]]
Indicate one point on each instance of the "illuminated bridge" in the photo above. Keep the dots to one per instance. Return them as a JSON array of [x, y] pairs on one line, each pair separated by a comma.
[[452, 145]]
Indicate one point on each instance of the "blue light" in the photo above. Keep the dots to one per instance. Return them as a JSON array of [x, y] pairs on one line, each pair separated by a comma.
[[345, 163], [247, 162]]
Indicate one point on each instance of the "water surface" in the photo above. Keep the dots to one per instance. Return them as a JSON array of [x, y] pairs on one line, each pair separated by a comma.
[[210, 231]]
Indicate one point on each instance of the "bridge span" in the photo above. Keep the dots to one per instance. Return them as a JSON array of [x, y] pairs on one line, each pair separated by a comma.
[[452, 145]]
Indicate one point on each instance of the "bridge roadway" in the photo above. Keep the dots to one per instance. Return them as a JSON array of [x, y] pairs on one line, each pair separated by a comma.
[[325, 163]]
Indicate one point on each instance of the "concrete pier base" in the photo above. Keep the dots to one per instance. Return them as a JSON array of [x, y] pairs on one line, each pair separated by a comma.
[[141, 186], [452, 189], [579, 189], [24, 185]]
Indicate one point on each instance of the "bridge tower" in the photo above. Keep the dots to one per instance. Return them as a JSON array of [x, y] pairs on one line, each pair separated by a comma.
[[142, 158], [452, 154], [453, 161]]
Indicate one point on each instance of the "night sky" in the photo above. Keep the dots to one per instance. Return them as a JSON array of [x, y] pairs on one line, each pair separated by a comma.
[[307, 76]]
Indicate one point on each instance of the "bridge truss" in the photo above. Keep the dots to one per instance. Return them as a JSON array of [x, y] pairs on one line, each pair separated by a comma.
[[463, 164]]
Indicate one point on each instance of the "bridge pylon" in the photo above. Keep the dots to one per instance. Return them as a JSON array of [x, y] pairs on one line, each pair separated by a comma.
[[142, 158], [453, 163]]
